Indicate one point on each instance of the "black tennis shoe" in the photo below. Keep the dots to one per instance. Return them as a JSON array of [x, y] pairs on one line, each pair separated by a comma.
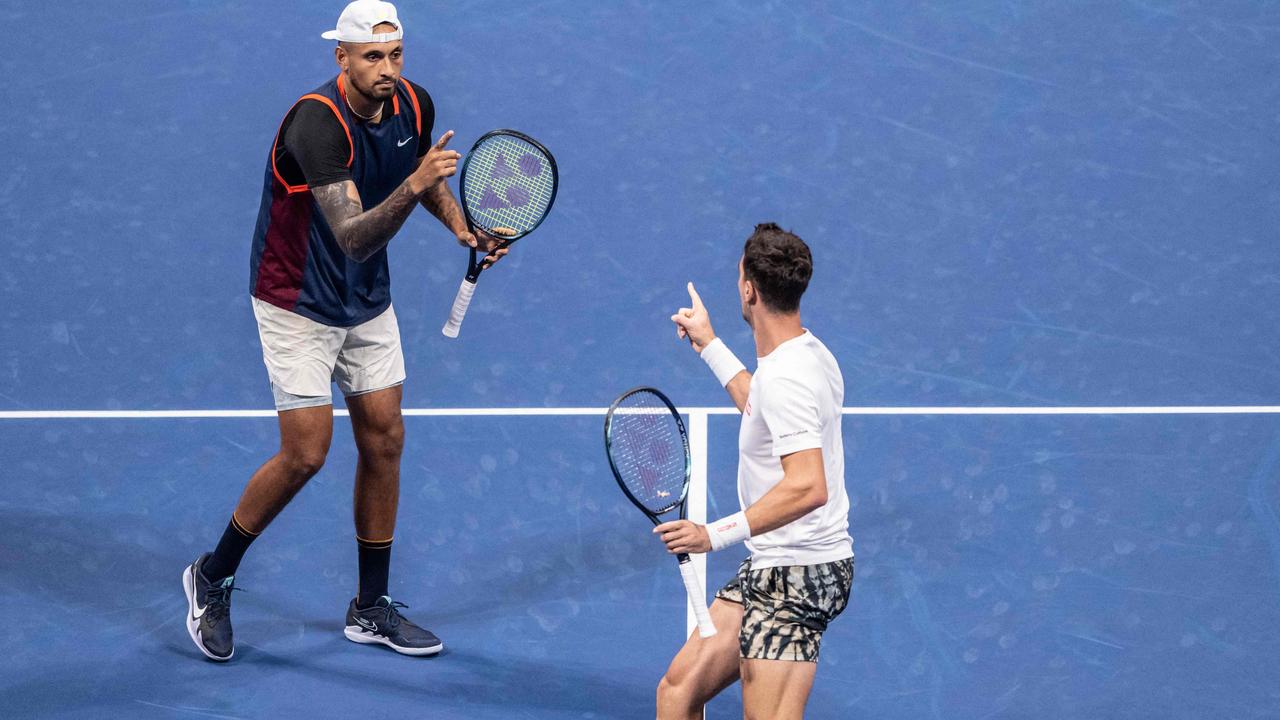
[[209, 611], [383, 624]]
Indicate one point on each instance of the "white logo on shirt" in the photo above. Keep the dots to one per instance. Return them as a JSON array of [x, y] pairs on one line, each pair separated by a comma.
[[402, 143]]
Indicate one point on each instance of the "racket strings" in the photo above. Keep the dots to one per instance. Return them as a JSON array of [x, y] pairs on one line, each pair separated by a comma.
[[648, 450], [509, 184]]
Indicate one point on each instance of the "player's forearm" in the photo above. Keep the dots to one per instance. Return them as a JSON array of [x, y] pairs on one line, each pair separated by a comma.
[[802, 490], [439, 201], [738, 388], [361, 233], [788, 501]]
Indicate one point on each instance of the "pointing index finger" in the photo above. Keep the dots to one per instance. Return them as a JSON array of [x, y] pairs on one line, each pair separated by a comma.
[[444, 140], [693, 295]]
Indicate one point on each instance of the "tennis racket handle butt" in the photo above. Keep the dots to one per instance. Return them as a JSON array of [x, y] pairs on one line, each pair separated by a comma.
[[459, 311], [698, 598]]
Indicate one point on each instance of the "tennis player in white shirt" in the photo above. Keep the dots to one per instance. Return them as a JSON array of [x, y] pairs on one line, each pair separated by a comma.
[[795, 516]]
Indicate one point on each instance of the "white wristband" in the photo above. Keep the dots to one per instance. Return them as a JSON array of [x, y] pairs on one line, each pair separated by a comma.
[[722, 361], [728, 531]]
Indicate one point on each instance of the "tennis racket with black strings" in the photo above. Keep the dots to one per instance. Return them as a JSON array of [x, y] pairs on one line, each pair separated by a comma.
[[648, 451], [508, 182]]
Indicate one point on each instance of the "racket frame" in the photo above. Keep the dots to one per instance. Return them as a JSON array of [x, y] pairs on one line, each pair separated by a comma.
[[684, 438], [693, 588], [475, 264]]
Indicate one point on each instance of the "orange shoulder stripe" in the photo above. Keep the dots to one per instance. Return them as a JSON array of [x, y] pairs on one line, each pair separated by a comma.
[[413, 98], [351, 156], [351, 152]]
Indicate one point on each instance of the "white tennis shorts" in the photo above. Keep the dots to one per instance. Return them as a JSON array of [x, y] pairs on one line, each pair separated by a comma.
[[303, 357]]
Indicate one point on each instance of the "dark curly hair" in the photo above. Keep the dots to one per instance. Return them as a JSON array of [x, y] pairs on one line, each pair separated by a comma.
[[778, 263]]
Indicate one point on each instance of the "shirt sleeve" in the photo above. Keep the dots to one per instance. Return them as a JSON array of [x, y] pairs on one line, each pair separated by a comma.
[[428, 117], [318, 144], [790, 411]]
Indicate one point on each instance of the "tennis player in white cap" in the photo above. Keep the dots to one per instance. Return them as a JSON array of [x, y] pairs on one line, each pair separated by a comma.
[[349, 163]]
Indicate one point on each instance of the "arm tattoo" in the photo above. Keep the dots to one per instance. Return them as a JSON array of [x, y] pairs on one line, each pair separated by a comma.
[[361, 233], [439, 201]]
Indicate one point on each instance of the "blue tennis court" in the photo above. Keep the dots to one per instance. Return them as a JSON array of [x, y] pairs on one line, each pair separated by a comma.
[[1013, 209]]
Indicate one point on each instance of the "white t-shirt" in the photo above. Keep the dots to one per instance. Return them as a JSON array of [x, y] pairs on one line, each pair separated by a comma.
[[794, 404]]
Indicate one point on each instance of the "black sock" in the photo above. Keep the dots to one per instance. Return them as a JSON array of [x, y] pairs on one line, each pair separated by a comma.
[[375, 564], [226, 557]]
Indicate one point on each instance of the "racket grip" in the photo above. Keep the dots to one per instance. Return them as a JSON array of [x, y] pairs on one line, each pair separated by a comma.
[[460, 303], [699, 599]]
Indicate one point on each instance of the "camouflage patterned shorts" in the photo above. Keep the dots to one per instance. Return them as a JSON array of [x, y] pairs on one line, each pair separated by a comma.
[[786, 609]]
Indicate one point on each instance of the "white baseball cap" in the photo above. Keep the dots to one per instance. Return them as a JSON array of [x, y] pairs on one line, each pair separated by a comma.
[[358, 20]]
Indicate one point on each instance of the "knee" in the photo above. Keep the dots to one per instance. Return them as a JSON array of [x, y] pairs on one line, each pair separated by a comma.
[[386, 444], [303, 464], [394, 439], [673, 699]]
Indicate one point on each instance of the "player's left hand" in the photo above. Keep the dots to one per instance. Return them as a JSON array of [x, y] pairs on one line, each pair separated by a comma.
[[694, 323], [684, 536], [486, 243]]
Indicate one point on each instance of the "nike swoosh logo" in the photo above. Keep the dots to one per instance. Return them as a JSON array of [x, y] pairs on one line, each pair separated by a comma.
[[198, 612], [367, 624], [404, 142]]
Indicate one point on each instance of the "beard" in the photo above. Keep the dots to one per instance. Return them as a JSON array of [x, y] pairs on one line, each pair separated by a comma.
[[374, 91]]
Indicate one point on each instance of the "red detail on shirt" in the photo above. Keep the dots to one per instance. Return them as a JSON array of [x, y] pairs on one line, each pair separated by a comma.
[[747, 408], [284, 255]]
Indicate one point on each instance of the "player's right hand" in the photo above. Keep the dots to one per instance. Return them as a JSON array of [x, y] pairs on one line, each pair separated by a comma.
[[684, 536], [694, 323], [436, 165]]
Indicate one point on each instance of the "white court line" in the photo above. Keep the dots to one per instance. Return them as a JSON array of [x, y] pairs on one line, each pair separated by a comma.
[[1069, 410], [570, 411], [696, 506]]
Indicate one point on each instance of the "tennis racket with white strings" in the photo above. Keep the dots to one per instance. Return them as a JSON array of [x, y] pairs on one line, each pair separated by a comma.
[[508, 182], [648, 451]]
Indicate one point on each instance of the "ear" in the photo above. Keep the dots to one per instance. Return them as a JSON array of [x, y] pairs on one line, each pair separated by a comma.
[[749, 292], [340, 56]]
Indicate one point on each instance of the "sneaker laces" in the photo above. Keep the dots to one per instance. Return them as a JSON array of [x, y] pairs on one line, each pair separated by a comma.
[[392, 616], [217, 599]]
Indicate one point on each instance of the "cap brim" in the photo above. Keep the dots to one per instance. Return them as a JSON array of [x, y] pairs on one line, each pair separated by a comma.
[[329, 35]]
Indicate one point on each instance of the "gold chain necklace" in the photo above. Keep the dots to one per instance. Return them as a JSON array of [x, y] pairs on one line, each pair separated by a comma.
[[362, 117]]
